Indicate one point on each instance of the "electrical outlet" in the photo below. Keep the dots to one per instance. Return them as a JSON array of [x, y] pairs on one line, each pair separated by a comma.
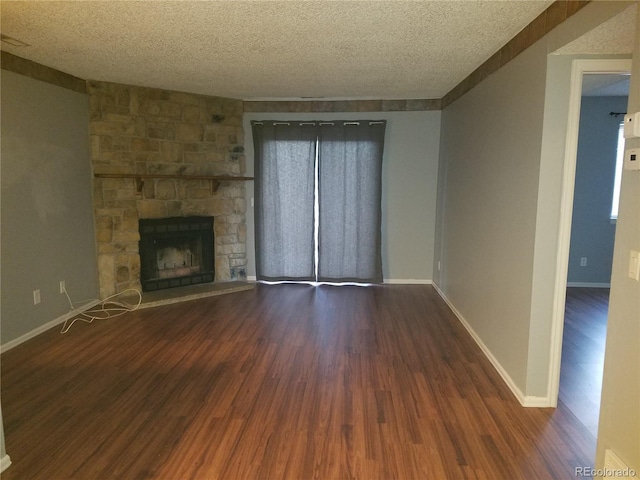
[[438, 265], [583, 261], [36, 297], [63, 286]]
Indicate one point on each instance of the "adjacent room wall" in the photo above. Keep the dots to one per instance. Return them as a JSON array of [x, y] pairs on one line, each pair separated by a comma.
[[47, 219], [619, 425], [592, 231], [410, 173]]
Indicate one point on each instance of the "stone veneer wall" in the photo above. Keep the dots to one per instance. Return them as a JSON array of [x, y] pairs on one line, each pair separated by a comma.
[[150, 131]]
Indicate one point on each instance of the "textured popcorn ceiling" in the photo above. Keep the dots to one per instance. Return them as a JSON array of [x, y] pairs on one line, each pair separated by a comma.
[[605, 85], [615, 36], [269, 49]]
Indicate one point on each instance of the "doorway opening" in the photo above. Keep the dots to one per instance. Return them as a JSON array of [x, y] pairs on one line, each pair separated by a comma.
[[604, 99], [581, 290]]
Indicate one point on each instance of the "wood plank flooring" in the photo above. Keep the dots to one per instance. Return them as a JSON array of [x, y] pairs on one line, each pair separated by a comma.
[[583, 343], [280, 382]]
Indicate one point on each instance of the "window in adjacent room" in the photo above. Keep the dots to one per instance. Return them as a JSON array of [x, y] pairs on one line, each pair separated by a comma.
[[615, 203]]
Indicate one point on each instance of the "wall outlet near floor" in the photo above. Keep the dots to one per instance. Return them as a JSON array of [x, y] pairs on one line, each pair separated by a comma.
[[583, 261], [63, 286], [36, 297]]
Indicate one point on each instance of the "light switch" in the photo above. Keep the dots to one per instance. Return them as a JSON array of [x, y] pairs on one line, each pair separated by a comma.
[[632, 159], [634, 265], [632, 125]]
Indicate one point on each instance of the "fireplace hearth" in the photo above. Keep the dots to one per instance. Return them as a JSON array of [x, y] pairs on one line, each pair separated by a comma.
[[176, 252]]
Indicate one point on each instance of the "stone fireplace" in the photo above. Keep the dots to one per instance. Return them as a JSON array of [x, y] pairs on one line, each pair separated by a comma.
[[145, 131]]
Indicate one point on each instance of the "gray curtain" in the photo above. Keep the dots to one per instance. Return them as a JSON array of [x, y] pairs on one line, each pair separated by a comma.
[[350, 191], [285, 155]]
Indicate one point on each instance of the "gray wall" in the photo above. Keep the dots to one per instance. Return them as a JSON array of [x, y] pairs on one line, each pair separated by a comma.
[[592, 232], [47, 219], [410, 175], [491, 153], [619, 426], [501, 164]]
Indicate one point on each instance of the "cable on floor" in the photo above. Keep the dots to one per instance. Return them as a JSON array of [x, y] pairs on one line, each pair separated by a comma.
[[107, 308]]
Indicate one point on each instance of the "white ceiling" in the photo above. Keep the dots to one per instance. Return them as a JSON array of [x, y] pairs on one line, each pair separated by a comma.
[[615, 36], [605, 85], [269, 49]]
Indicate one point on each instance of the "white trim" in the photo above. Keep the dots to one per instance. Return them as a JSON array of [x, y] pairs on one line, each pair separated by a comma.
[[5, 462], [390, 281], [613, 462], [407, 281], [588, 285], [536, 402], [578, 69], [525, 401], [43, 328]]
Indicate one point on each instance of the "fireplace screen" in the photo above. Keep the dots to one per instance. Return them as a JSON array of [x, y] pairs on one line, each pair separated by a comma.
[[176, 252]]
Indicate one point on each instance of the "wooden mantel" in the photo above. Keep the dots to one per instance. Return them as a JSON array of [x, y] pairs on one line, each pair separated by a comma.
[[214, 180]]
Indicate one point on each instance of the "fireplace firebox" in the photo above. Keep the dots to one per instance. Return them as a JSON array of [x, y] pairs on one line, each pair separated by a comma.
[[176, 252]]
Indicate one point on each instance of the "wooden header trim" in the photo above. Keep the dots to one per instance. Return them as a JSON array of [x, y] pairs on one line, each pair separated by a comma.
[[553, 16], [41, 72], [319, 106]]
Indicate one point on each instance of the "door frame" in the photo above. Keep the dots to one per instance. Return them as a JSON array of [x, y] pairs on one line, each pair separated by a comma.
[[578, 69]]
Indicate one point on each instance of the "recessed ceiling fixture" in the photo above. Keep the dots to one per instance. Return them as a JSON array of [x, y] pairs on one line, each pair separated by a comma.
[[13, 41]]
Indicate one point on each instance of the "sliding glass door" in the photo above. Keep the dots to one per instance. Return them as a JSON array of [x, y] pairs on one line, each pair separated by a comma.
[[285, 156], [334, 166], [350, 189]]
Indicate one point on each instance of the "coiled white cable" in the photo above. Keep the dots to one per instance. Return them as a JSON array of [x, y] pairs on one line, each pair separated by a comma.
[[107, 308]]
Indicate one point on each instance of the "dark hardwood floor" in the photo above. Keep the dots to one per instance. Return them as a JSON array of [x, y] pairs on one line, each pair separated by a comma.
[[281, 382], [583, 343]]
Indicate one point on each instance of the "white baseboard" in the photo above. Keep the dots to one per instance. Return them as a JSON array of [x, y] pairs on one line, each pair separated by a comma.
[[4, 462], [588, 285], [407, 281], [537, 402], [525, 400], [43, 328], [391, 281]]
